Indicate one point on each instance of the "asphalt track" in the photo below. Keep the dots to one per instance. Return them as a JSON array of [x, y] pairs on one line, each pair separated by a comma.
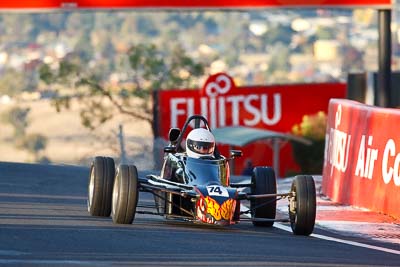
[[44, 222]]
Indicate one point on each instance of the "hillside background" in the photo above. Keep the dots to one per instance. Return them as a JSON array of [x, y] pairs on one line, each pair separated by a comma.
[[256, 47]]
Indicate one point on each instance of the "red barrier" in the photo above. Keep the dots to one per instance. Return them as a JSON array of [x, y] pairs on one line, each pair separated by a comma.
[[362, 156], [177, 4]]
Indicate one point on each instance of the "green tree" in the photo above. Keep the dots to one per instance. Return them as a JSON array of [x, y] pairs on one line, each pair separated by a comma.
[[278, 33], [148, 69], [18, 118], [325, 33], [12, 82], [33, 143], [83, 47], [279, 59]]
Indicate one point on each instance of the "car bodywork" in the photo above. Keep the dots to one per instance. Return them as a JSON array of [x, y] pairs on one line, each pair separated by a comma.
[[194, 189], [200, 190]]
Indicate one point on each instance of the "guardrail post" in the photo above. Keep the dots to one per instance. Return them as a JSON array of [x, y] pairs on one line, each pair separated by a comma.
[[384, 91], [122, 144]]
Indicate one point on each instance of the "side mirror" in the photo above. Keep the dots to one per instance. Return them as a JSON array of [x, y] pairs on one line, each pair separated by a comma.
[[173, 135], [169, 149], [179, 174], [236, 153]]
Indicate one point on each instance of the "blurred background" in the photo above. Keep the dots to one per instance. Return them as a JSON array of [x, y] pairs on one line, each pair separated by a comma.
[[78, 84]]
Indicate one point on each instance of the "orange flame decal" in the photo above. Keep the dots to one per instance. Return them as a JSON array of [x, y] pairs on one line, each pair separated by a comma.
[[224, 211]]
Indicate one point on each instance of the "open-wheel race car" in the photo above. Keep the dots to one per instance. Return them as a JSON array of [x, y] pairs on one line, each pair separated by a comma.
[[198, 189]]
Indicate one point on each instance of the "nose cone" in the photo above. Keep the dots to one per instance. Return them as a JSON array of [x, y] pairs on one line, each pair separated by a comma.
[[218, 208]]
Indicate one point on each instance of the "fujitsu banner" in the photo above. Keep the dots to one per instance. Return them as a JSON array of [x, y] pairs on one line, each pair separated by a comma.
[[194, 4], [362, 158], [277, 107]]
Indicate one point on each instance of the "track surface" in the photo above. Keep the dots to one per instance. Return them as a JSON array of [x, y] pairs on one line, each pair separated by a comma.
[[44, 222]]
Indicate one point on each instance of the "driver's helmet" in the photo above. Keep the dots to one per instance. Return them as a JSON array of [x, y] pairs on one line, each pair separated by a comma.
[[199, 143]]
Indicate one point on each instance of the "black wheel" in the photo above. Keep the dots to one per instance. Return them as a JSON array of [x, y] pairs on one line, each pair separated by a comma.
[[100, 187], [263, 182], [125, 195], [302, 207]]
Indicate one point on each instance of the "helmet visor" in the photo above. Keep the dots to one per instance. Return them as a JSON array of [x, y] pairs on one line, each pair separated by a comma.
[[200, 147]]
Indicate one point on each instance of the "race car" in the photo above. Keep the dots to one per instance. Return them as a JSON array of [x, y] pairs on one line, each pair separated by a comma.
[[198, 190]]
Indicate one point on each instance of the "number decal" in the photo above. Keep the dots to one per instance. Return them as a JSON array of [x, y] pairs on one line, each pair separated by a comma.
[[216, 190]]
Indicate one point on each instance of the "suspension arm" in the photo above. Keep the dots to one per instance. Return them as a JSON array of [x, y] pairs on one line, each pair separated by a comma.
[[251, 197], [175, 191]]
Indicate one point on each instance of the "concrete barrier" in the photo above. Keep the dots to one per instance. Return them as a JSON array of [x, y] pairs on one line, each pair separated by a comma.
[[362, 156]]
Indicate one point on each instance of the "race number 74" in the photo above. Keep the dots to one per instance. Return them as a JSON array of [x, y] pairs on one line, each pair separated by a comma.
[[216, 190]]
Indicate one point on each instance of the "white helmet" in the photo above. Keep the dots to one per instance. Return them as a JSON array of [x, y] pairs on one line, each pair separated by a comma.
[[199, 143]]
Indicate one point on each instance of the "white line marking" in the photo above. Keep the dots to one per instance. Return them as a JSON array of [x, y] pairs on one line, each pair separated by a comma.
[[11, 253], [52, 262], [357, 244]]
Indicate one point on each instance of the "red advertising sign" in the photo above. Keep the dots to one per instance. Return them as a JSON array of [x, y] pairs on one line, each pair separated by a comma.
[[362, 156], [276, 108], [173, 4]]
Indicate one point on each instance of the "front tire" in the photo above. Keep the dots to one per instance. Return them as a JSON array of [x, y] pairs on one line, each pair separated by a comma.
[[302, 208], [125, 195], [100, 187], [263, 182]]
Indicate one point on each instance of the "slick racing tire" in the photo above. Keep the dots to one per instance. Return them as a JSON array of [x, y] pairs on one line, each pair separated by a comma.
[[125, 195], [302, 208], [100, 187], [263, 181]]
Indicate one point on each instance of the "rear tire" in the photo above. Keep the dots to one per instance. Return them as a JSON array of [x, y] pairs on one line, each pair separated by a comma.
[[100, 187], [263, 182], [302, 209], [125, 195]]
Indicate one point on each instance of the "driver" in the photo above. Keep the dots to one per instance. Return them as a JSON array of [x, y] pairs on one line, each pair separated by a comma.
[[200, 143]]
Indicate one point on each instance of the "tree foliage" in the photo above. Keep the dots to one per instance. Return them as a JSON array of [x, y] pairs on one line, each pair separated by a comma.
[[18, 118], [12, 82], [146, 69], [279, 59], [326, 33], [33, 143]]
